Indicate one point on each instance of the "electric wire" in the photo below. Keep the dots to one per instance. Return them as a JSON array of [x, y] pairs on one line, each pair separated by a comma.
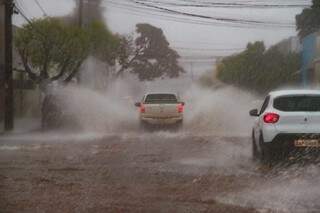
[[137, 8], [222, 19], [227, 5], [207, 49], [41, 8], [143, 10], [21, 5], [21, 12]]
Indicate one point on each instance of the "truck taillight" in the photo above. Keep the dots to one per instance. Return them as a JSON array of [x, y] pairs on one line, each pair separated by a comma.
[[180, 108], [142, 108], [271, 118]]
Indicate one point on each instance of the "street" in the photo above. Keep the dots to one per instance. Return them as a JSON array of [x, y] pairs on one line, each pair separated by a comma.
[[159, 171], [159, 106]]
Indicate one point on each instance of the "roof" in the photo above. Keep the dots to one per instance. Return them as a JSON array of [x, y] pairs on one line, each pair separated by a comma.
[[158, 93], [295, 92]]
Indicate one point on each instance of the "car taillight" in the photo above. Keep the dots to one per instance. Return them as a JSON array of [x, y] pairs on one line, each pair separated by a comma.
[[180, 108], [142, 108], [271, 118]]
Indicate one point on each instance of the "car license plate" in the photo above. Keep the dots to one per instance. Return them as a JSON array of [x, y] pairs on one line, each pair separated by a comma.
[[307, 143]]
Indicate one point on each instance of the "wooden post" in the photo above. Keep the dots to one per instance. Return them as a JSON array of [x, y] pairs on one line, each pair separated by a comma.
[[80, 13], [8, 85]]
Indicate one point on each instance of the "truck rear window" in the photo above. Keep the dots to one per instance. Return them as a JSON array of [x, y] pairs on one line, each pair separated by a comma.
[[161, 98], [301, 103]]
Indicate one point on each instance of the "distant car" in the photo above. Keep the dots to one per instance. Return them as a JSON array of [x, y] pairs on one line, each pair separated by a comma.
[[288, 120], [161, 109]]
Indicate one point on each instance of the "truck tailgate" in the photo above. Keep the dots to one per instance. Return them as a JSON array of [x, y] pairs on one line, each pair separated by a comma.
[[161, 110]]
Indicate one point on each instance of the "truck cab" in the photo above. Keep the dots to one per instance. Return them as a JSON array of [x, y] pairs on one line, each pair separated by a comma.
[[161, 109]]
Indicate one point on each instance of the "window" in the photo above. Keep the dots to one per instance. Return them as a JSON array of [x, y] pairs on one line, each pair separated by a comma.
[[161, 98], [302, 103]]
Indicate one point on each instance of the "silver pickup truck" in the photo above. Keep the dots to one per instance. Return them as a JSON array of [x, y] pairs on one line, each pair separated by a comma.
[[161, 109]]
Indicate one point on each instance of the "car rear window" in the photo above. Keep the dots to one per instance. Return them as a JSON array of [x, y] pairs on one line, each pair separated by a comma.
[[161, 98], [301, 103]]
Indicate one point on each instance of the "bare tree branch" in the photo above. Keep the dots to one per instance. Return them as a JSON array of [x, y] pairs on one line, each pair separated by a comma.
[[62, 71], [24, 59], [128, 64], [74, 72], [44, 72]]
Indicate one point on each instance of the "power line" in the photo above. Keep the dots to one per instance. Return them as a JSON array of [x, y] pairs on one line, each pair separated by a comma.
[[228, 5], [138, 11], [41, 8], [23, 9], [165, 15], [20, 10], [221, 19], [211, 57], [208, 60], [232, 5], [199, 43], [207, 49]]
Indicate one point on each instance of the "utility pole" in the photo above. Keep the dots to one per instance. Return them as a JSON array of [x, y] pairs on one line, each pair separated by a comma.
[[80, 13], [80, 23], [8, 85], [191, 69]]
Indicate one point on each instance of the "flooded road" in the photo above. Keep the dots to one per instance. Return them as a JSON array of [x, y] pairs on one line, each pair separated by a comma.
[[152, 172]]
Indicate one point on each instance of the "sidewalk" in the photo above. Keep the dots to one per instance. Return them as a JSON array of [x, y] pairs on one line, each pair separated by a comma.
[[22, 125]]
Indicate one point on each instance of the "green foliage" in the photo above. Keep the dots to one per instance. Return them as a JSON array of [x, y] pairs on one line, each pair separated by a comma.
[[52, 50], [259, 69], [104, 45], [309, 20], [153, 57]]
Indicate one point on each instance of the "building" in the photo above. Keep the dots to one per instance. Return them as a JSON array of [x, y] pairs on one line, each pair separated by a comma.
[[310, 71], [289, 45]]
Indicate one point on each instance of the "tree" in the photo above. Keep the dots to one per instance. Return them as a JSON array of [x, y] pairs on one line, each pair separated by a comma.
[[241, 69], [103, 44], [258, 69], [149, 56], [51, 50], [309, 20]]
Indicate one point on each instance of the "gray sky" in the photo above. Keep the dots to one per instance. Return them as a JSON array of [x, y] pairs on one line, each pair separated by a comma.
[[193, 39]]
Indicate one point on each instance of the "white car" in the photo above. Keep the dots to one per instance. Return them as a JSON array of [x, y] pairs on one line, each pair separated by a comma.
[[160, 109], [288, 120]]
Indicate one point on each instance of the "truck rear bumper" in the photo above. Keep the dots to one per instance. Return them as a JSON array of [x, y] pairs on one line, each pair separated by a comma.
[[162, 121]]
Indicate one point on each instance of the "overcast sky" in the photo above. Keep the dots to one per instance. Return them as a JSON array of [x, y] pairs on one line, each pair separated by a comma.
[[192, 39]]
